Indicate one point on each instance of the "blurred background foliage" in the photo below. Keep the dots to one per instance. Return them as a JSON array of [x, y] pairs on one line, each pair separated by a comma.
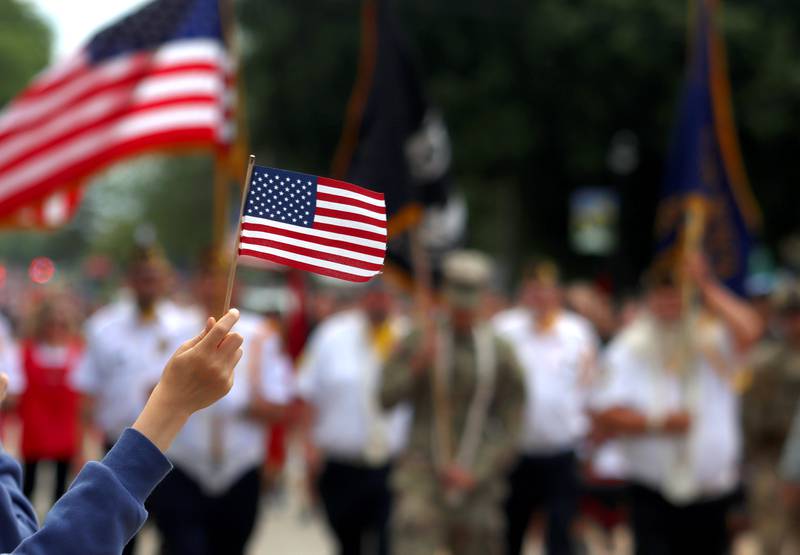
[[534, 94]]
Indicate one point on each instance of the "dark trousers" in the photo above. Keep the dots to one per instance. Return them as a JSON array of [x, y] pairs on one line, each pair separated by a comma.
[[192, 522], [547, 483], [661, 528], [29, 478], [357, 502]]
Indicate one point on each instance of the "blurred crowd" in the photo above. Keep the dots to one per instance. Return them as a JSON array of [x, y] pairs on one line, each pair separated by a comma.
[[465, 421]]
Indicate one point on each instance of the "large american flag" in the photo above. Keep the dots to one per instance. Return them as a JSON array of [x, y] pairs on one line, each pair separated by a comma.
[[159, 77], [314, 223]]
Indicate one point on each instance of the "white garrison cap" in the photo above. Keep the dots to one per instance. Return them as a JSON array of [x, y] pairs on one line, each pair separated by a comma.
[[467, 268]]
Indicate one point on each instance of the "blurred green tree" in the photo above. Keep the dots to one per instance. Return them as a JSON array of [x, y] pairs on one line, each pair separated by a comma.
[[24, 46]]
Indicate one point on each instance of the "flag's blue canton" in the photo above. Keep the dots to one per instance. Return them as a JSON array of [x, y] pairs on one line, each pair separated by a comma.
[[282, 196], [155, 24]]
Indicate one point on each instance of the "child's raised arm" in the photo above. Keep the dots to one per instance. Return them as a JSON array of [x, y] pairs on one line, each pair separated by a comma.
[[104, 507], [17, 517]]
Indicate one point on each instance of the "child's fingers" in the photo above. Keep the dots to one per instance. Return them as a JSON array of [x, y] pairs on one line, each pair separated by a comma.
[[3, 385], [218, 332], [189, 343], [199, 337], [229, 345]]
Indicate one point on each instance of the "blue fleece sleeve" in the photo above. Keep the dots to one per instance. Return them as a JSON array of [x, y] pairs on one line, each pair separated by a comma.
[[17, 517], [104, 507]]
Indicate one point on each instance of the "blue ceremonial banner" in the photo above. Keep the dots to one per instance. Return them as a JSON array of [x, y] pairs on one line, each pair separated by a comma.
[[705, 176]]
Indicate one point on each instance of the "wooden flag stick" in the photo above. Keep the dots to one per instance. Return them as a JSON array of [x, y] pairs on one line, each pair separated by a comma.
[[232, 272], [693, 231], [423, 300]]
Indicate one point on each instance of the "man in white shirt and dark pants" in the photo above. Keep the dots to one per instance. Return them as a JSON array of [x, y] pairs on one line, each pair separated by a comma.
[[670, 399], [127, 345], [209, 503], [557, 350], [352, 441]]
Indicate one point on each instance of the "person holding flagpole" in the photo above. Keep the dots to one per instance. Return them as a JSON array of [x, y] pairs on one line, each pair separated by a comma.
[[670, 393], [672, 403], [467, 393]]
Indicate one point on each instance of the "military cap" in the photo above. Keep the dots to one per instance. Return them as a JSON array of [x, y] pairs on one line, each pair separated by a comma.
[[466, 276]]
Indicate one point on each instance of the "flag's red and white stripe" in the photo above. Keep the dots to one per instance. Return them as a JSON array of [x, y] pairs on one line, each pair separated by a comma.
[[78, 117], [347, 239], [53, 211]]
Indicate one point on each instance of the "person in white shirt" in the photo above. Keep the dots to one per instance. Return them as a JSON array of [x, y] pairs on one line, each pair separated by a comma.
[[218, 455], [670, 398], [557, 350], [127, 344], [352, 442]]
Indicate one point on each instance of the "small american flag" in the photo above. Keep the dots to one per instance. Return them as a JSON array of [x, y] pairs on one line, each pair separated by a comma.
[[314, 223], [159, 77]]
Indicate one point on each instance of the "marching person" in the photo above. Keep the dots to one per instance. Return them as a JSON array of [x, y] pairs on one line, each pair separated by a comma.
[[767, 409], [467, 393], [671, 401], [217, 457], [127, 342], [790, 490], [48, 406], [557, 350], [351, 442]]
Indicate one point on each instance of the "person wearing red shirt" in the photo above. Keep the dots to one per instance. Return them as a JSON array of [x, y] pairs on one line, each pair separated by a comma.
[[48, 406]]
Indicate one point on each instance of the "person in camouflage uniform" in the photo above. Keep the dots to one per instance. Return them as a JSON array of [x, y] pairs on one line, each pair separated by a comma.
[[767, 409], [467, 393]]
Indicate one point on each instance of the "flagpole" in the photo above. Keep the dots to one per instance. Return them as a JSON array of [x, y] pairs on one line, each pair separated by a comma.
[[693, 230], [357, 103], [232, 272], [240, 145], [680, 482], [423, 287], [220, 193], [223, 163]]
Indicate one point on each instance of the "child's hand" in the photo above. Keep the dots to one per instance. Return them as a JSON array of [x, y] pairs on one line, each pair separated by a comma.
[[201, 370], [198, 374], [3, 386]]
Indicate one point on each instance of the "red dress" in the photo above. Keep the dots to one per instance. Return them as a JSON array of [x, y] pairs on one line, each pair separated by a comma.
[[48, 407]]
